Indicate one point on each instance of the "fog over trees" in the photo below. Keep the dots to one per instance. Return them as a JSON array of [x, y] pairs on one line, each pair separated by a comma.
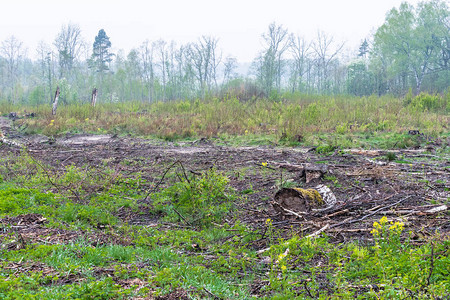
[[410, 51]]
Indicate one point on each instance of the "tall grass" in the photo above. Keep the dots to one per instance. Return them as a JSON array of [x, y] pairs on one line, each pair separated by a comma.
[[289, 118]]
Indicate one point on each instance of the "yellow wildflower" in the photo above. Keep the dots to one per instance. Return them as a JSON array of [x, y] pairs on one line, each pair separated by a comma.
[[264, 164], [283, 268], [376, 225], [87, 119], [383, 220], [268, 221], [398, 226]]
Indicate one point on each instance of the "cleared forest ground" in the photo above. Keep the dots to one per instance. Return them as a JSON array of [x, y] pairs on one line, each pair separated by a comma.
[[92, 216]]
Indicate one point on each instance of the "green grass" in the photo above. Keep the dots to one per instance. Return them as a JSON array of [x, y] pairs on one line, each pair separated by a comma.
[[340, 121], [196, 241], [207, 255]]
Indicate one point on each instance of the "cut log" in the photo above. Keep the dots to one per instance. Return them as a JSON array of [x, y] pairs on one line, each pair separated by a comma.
[[297, 200], [327, 195]]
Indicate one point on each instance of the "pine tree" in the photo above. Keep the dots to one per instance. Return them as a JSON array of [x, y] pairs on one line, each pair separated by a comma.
[[101, 56], [363, 49]]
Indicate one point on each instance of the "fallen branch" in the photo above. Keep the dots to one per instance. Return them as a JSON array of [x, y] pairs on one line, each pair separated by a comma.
[[181, 216], [436, 209], [340, 212], [349, 230], [51, 181], [293, 212], [371, 214], [318, 231], [211, 294], [358, 187], [305, 284]]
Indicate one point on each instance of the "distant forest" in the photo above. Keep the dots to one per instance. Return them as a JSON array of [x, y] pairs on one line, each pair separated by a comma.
[[409, 52]]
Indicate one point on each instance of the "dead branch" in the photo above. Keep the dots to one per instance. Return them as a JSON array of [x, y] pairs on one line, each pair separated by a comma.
[[318, 231], [160, 181], [336, 213], [371, 214], [305, 284], [293, 212], [436, 209], [181, 216], [51, 181], [184, 172], [211, 294]]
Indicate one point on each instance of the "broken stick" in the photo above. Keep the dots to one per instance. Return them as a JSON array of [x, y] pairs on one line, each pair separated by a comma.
[[371, 214]]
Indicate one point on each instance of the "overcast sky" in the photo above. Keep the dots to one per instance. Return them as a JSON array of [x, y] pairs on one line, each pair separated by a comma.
[[237, 23]]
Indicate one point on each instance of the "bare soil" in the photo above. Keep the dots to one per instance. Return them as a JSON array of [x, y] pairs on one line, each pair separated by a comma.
[[367, 186]]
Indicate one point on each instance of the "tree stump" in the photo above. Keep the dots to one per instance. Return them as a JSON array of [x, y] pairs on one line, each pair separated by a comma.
[[296, 200], [55, 101], [94, 97]]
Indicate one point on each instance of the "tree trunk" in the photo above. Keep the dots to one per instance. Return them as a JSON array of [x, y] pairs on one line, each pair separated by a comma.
[[94, 97], [55, 101]]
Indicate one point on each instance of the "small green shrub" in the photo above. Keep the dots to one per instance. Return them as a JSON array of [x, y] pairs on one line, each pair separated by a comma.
[[200, 199], [425, 101], [391, 156], [326, 149]]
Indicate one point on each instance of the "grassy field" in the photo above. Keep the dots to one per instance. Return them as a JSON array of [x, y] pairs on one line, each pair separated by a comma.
[[131, 220], [368, 122]]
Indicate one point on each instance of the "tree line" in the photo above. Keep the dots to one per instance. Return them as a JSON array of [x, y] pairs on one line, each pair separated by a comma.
[[410, 51]]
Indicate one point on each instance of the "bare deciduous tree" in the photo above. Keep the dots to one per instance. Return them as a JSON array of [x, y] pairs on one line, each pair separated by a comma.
[[148, 68], [230, 65], [300, 51], [44, 53], [325, 53], [270, 65], [69, 44], [13, 52], [216, 58], [205, 61], [160, 45]]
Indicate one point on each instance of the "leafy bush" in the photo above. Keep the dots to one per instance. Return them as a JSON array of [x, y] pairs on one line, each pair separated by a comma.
[[200, 200], [425, 101], [326, 149]]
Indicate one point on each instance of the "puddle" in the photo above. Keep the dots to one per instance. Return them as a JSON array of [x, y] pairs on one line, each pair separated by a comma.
[[85, 139]]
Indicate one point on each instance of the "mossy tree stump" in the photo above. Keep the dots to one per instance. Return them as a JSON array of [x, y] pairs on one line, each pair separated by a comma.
[[297, 200]]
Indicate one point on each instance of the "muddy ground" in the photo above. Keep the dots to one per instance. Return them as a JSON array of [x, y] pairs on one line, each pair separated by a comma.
[[413, 189]]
